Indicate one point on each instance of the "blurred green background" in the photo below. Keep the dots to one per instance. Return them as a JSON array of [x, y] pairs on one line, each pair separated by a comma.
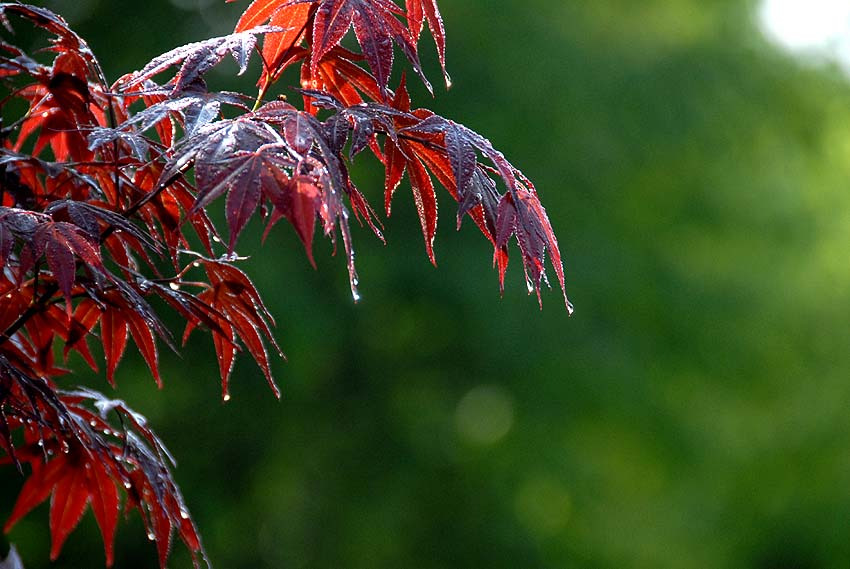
[[692, 414]]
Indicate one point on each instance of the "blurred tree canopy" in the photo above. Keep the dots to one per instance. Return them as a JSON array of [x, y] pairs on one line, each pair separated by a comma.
[[694, 411]]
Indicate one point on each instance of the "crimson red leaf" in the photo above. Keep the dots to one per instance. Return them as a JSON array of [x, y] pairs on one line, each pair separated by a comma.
[[426, 203], [332, 20], [105, 505], [299, 201], [276, 46], [435, 24], [36, 490], [143, 336], [113, 331], [70, 497], [395, 165], [86, 316], [376, 42]]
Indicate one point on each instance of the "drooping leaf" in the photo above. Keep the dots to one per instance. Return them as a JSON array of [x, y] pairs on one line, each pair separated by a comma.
[[74, 479], [435, 24], [426, 203], [239, 313], [113, 331]]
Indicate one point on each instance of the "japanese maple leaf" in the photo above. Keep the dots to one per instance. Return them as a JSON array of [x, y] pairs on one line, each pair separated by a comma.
[[238, 312], [74, 479], [62, 244], [377, 26], [241, 158]]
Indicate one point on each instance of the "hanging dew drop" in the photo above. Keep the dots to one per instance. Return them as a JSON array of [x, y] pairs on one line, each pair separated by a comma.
[[174, 286], [226, 397]]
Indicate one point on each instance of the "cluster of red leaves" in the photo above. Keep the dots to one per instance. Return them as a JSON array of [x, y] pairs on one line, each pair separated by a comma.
[[313, 29], [103, 196], [79, 459]]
